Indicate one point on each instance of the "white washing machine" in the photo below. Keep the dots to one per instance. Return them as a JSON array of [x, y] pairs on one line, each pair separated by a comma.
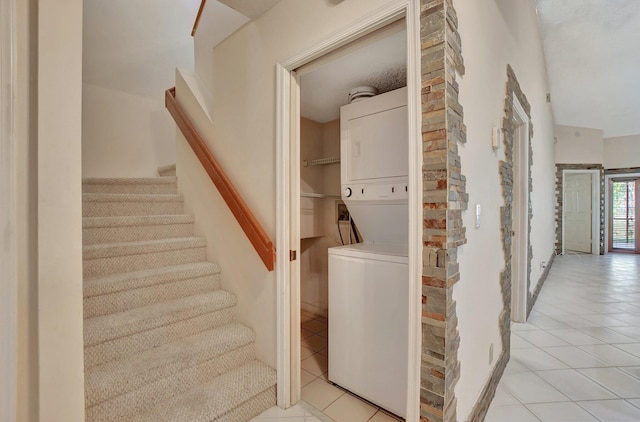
[[368, 322], [369, 282]]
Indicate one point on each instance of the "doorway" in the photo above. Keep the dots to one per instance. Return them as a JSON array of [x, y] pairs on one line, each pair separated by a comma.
[[520, 210], [580, 218], [623, 215], [353, 122], [289, 199], [577, 212]]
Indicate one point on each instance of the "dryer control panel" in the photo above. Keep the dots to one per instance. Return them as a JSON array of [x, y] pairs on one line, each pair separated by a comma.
[[390, 191]]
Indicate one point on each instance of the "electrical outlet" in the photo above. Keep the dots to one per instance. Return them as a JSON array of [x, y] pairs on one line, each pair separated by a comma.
[[342, 212], [491, 354]]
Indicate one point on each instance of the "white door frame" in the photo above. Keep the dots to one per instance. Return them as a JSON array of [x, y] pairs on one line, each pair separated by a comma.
[[8, 278], [607, 178], [520, 222], [287, 140], [595, 207]]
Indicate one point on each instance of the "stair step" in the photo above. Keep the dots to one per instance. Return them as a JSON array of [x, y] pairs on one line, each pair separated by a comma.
[[167, 171], [149, 185], [134, 228], [121, 204], [120, 292], [113, 258], [114, 336], [130, 385], [237, 395]]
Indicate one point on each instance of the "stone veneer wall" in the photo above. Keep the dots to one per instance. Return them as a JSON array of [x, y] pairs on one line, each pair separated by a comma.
[[623, 170], [559, 200], [445, 198], [533, 298]]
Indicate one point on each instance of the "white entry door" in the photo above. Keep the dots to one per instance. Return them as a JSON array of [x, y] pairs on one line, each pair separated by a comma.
[[577, 212]]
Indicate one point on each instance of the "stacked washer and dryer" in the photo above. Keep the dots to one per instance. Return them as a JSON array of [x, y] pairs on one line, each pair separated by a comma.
[[369, 281]]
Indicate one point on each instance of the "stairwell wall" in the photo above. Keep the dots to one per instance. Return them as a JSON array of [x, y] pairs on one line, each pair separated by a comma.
[[494, 34], [242, 137], [130, 53]]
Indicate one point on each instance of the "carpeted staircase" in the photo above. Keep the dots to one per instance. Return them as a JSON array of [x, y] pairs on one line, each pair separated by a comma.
[[160, 341]]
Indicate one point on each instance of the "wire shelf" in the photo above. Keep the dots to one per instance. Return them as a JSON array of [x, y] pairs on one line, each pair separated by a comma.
[[321, 161]]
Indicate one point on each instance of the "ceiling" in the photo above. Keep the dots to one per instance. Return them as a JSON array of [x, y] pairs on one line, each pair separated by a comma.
[[592, 49], [250, 8], [380, 63]]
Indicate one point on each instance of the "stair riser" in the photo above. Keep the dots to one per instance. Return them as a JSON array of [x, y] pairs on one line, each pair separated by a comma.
[[148, 188], [97, 235], [129, 299], [121, 264], [120, 347], [114, 209], [125, 405], [252, 407]]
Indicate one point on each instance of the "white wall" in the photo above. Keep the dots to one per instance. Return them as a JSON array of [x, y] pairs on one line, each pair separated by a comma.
[[130, 53], [217, 22], [496, 33], [578, 145], [59, 225], [622, 152], [242, 137]]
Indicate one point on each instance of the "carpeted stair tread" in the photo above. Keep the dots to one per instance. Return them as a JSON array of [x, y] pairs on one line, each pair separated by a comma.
[[109, 327], [120, 204], [124, 406], [114, 378], [136, 220], [215, 400], [122, 347], [147, 291], [155, 276], [113, 229], [108, 250], [133, 185], [129, 180], [132, 197]]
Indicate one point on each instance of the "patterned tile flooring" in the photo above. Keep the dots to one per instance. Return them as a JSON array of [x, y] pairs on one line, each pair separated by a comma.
[[578, 356], [322, 401]]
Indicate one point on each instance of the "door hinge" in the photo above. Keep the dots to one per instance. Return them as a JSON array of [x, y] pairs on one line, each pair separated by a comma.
[[292, 255]]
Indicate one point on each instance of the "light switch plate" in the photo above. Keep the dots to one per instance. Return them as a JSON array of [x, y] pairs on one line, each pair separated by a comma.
[[495, 138], [478, 212]]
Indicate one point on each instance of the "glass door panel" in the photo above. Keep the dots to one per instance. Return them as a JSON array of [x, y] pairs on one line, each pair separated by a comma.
[[623, 222]]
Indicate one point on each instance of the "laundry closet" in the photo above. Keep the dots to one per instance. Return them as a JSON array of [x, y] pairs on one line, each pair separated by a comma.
[[353, 196]]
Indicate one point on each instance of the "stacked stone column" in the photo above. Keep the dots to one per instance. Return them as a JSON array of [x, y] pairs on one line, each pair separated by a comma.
[[445, 198]]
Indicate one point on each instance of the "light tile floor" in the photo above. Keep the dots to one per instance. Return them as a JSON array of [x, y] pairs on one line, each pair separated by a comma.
[[322, 401], [578, 356]]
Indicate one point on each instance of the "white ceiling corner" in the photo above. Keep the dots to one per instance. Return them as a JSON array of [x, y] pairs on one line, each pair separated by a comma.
[[250, 8], [592, 50], [381, 64]]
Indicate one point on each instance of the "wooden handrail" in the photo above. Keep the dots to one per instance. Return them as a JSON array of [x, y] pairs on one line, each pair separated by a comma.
[[197, 22], [250, 225]]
